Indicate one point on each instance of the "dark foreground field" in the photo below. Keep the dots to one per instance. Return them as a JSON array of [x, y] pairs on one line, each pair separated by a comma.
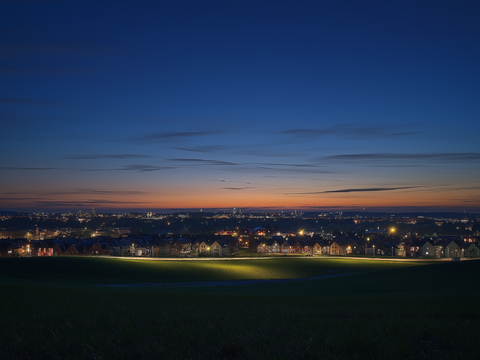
[[54, 308]]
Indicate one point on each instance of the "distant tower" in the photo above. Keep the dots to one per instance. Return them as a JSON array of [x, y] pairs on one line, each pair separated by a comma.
[[234, 211], [94, 213]]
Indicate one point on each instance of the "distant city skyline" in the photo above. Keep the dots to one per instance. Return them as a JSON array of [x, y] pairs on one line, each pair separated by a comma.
[[256, 105]]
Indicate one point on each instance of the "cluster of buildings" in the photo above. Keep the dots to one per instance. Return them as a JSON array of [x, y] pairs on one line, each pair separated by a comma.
[[443, 247], [225, 244], [139, 246]]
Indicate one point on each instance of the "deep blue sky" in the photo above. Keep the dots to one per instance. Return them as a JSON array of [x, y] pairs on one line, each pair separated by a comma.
[[202, 104]]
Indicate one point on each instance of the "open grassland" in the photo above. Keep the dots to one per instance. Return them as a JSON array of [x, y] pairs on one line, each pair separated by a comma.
[[89, 270], [384, 311]]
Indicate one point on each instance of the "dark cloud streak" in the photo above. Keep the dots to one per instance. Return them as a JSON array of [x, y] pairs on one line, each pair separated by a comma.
[[358, 190], [204, 162]]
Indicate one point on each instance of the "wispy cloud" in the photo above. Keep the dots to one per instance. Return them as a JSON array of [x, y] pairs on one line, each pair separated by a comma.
[[405, 133], [237, 188], [163, 136], [289, 165], [297, 170], [252, 167], [143, 168], [86, 202], [272, 149], [18, 199], [26, 168], [135, 167], [419, 157], [352, 131], [19, 120], [232, 181], [21, 101], [204, 149], [101, 192], [77, 192], [68, 48], [43, 70], [204, 162], [106, 156], [469, 188]]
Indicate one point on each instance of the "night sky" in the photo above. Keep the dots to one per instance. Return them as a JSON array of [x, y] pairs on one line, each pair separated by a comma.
[[147, 105]]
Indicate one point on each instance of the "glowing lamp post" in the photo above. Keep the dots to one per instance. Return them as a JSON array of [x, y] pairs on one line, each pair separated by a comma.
[[374, 251], [392, 231]]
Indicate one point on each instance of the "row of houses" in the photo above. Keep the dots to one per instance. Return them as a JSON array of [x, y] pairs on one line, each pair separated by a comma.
[[227, 246], [346, 246], [121, 247]]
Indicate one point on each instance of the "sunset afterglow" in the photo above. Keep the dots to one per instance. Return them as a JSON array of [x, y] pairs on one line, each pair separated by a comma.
[[259, 105]]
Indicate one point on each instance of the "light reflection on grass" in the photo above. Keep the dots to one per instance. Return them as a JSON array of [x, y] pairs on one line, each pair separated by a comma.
[[88, 270]]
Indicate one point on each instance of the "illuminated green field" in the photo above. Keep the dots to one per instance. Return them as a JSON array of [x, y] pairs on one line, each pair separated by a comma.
[[88, 270]]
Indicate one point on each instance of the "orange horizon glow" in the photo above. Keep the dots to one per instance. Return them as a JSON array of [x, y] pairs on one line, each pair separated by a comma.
[[240, 199]]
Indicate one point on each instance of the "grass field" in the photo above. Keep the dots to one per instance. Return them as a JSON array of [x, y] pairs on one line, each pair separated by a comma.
[[90, 270], [54, 308]]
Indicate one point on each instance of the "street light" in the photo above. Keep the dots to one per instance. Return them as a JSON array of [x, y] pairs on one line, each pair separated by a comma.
[[374, 251]]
